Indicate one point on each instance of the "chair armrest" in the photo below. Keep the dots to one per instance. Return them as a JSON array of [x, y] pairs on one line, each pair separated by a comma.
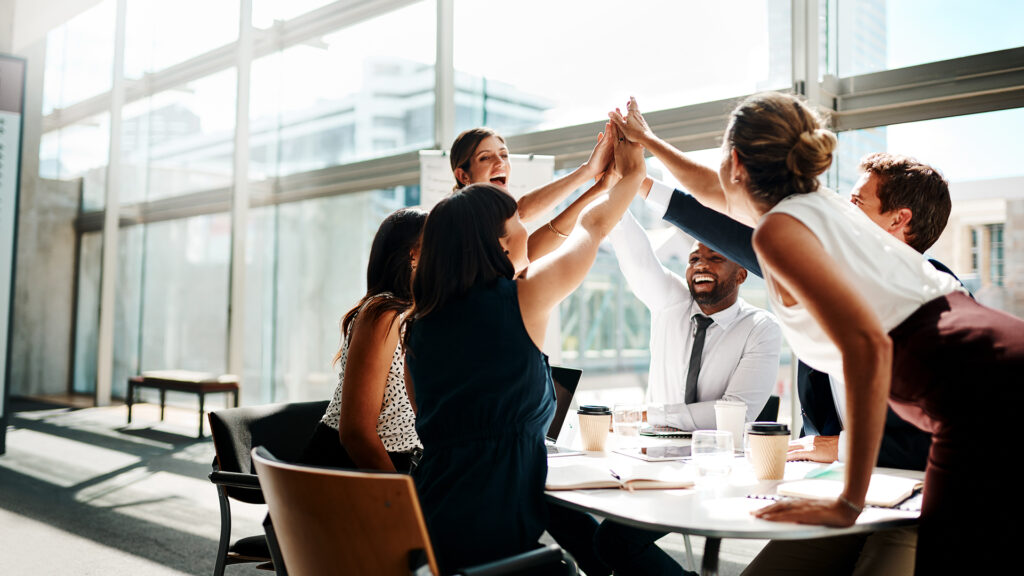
[[525, 563], [235, 480]]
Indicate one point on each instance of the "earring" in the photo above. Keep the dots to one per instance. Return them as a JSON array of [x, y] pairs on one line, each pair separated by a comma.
[[506, 252]]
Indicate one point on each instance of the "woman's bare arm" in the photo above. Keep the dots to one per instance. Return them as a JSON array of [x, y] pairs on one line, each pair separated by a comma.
[[540, 201], [549, 280], [796, 262], [549, 237], [371, 350]]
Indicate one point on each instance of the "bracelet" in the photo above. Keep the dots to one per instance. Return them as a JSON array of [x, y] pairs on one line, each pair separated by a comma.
[[555, 230], [850, 505]]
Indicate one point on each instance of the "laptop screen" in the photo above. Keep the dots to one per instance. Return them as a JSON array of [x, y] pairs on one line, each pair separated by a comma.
[[566, 380]]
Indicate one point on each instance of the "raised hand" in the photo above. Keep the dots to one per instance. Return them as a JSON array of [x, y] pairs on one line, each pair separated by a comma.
[[629, 156], [632, 126], [601, 155]]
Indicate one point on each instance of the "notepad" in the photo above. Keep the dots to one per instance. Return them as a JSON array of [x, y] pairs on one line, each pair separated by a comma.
[[579, 477], [884, 490]]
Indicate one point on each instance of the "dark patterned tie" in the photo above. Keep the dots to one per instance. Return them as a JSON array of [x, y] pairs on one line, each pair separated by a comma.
[[700, 330]]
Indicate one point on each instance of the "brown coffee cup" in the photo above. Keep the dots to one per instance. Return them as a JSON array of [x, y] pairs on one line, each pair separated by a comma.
[[766, 446], [594, 424]]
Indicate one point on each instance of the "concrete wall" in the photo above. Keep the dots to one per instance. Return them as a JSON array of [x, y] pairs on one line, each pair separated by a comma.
[[44, 288], [1013, 257], [6, 26], [45, 262]]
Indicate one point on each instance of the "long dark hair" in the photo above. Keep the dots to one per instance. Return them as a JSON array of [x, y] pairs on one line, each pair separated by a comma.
[[460, 248], [389, 272]]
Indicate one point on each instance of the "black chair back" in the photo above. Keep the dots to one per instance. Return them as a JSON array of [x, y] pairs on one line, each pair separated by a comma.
[[770, 412], [282, 428]]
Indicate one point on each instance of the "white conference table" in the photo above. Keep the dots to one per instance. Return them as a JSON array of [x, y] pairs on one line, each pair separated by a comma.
[[714, 510]]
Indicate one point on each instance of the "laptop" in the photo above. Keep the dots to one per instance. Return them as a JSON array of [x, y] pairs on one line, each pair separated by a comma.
[[566, 380]]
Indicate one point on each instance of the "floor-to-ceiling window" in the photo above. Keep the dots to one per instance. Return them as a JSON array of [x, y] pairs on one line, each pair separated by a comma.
[[342, 94]]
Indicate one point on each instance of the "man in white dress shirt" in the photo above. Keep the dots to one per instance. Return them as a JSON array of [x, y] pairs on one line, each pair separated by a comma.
[[737, 354], [707, 344]]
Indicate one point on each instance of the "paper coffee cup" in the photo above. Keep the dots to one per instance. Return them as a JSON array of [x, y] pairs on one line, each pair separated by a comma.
[[730, 416], [767, 444], [594, 424]]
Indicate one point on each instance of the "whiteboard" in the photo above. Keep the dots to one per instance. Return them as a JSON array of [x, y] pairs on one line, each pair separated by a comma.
[[529, 171]]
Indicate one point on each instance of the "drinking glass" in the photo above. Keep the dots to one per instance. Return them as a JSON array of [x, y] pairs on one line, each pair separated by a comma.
[[712, 452], [626, 421]]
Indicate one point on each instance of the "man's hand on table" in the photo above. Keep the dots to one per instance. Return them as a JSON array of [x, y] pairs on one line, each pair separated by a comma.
[[814, 448]]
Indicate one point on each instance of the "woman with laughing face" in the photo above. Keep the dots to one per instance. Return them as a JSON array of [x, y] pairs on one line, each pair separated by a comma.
[[480, 155]]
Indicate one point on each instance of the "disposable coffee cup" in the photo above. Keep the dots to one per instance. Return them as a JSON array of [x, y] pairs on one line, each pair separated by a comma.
[[766, 446], [594, 424], [730, 416]]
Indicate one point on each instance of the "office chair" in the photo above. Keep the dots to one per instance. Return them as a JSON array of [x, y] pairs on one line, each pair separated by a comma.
[[332, 521], [285, 428]]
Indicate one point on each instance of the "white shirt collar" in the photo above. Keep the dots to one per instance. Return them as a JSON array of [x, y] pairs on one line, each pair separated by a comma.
[[723, 318]]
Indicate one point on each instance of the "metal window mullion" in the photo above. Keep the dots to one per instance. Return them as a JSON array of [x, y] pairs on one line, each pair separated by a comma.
[[956, 87], [108, 275], [444, 75], [240, 195]]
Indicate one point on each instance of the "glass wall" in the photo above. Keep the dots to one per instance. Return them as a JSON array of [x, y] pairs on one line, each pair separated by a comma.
[[87, 313], [322, 252], [128, 306], [80, 57], [185, 294], [348, 96], [335, 84], [596, 53], [80, 150], [876, 35], [160, 34]]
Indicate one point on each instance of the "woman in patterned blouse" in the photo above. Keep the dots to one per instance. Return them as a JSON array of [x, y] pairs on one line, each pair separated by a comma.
[[370, 423]]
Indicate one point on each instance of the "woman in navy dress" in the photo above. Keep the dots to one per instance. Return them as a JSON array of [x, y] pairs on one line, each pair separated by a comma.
[[482, 385]]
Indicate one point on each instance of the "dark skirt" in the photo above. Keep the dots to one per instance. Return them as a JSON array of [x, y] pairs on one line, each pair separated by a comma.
[[324, 449], [958, 373]]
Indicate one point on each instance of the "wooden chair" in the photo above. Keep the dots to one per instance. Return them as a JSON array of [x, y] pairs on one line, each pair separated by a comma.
[[285, 428], [331, 521]]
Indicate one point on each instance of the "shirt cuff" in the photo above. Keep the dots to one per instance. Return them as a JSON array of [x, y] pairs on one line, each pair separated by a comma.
[[842, 446], [660, 195]]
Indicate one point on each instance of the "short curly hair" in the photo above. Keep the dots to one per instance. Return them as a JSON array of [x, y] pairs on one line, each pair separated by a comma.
[[904, 182]]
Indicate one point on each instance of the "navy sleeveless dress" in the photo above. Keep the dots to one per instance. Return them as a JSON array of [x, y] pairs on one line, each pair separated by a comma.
[[485, 399]]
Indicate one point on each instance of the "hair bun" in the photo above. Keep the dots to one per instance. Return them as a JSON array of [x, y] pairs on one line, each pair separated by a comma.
[[811, 154]]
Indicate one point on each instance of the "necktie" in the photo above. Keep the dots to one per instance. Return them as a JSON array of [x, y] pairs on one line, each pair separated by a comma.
[[699, 332]]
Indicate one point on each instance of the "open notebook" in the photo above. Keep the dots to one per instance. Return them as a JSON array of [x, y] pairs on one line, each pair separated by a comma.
[[885, 490], [642, 477]]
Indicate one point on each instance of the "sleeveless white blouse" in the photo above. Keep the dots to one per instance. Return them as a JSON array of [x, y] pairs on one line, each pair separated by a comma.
[[894, 278], [396, 423]]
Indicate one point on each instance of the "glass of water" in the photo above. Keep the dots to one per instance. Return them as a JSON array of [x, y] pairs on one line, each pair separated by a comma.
[[626, 421], [712, 452]]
